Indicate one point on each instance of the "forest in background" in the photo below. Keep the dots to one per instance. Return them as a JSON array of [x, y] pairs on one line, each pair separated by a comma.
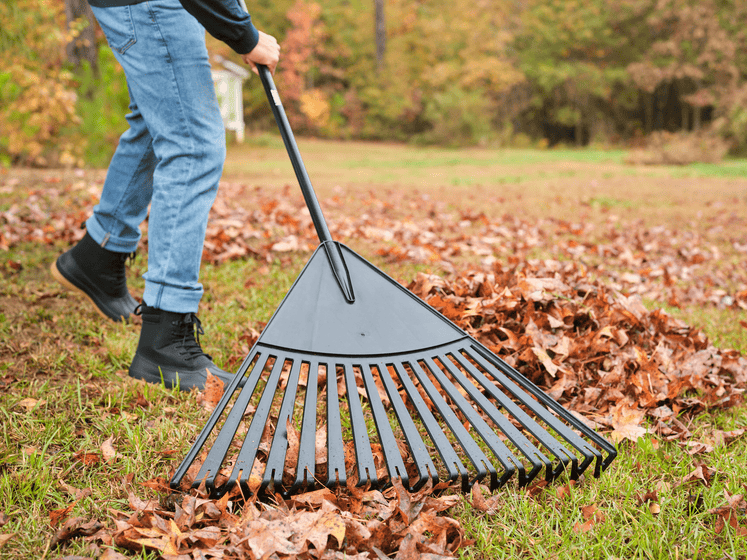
[[493, 72]]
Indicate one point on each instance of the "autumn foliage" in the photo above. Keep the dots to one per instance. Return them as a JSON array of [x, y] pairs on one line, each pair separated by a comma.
[[502, 73], [37, 91]]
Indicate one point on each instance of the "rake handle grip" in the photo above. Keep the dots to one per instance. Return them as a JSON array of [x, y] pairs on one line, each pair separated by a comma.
[[312, 203]]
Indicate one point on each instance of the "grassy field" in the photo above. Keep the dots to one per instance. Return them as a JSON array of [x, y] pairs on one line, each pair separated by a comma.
[[77, 436]]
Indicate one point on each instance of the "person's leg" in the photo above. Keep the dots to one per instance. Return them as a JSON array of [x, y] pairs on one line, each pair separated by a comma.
[[168, 73], [95, 267], [169, 76], [116, 219]]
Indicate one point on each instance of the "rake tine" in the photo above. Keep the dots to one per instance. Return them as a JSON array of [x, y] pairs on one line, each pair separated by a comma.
[[242, 469], [210, 424], [363, 454], [276, 458], [306, 466], [448, 455], [554, 446], [530, 451], [394, 464], [559, 410], [507, 459], [473, 451], [418, 451], [336, 474], [217, 454], [588, 452]]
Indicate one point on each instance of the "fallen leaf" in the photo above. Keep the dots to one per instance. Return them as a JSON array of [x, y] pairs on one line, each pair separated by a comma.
[[111, 554], [626, 422], [702, 473], [213, 392], [107, 450], [266, 538], [57, 515], [729, 514], [88, 459], [545, 360], [725, 438], [563, 492], [30, 404], [592, 516], [479, 502], [75, 527]]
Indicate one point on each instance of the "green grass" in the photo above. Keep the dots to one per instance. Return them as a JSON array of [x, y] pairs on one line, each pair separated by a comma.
[[544, 526], [728, 169]]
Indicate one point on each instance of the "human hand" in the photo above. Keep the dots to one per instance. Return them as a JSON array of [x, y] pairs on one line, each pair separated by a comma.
[[267, 52]]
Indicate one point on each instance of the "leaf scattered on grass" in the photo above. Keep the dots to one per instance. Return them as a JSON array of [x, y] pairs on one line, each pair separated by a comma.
[[732, 514], [107, 450]]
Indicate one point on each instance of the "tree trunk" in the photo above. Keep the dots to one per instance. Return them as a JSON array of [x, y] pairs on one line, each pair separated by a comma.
[[648, 112], [380, 32], [578, 132], [82, 48]]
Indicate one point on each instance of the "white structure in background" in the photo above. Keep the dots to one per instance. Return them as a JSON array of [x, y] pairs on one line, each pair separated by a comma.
[[229, 79]]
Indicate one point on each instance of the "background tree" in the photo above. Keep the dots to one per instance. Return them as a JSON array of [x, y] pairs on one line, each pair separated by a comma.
[[567, 71], [81, 45], [575, 56], [380, 32]]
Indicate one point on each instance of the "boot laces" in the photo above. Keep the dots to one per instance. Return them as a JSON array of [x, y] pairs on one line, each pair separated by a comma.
[[189, 328], [116, 273]]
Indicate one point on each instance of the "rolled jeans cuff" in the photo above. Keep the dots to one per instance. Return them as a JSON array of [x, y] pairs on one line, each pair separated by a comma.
[[107, 240], [172, 298]]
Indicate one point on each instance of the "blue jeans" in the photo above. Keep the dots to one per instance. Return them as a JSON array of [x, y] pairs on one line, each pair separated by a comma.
[[172, 155]]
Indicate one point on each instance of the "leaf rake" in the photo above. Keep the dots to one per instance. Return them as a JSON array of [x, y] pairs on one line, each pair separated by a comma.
[[407, 393]]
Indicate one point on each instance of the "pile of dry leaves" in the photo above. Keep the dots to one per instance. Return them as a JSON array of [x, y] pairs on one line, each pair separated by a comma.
[[600, 353], [352, 524]]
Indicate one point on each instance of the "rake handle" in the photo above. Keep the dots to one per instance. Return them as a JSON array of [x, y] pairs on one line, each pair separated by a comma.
[[312, 203], [336, 261]]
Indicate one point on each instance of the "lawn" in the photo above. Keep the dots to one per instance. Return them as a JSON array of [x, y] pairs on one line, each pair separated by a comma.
[[84, 447]]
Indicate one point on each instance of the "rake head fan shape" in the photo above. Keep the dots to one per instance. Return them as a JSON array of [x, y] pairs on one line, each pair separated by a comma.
[[382, 387]]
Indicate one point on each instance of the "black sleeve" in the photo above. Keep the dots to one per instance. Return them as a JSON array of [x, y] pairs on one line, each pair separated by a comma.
[[225, 20]]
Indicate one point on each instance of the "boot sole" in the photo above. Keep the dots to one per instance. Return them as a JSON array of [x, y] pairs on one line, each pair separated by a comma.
[[72, 287], [144, 369]]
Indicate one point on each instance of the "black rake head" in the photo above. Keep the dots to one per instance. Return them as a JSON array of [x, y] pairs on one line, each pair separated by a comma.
[[378, 386]]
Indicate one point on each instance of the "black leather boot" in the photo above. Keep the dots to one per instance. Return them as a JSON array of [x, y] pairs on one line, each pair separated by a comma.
[[98, 274], [169, 351]]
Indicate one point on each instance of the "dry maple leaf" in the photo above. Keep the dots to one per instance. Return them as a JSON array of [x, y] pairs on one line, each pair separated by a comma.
[[730, 513], [107, 450], [57, 515], [592, 516], [489, 506], [211, 395], [88, 459], [75, 527], [626, 422], [702, 473]]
